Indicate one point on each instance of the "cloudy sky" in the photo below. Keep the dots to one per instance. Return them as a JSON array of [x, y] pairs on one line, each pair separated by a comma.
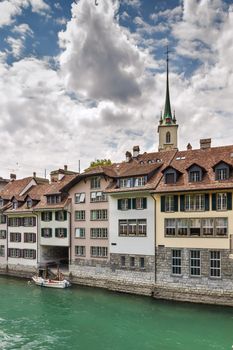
[[82, 80]]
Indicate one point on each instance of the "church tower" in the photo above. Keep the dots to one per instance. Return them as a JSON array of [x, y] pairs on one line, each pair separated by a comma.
[[167, 128]]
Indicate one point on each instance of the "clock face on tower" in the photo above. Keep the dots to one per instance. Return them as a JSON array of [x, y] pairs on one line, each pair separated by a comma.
[[168, 120]]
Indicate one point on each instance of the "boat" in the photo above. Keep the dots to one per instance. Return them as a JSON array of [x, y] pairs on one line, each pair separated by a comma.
[[43, 282], [46, 278]]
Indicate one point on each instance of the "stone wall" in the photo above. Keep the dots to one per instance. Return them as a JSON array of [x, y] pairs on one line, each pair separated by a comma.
[[149, 262], [164, 271]]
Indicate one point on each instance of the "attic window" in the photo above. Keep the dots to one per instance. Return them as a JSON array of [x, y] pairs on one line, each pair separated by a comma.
[[149, 161], [170, 178], [180, 158], [15, 204], [195, 176], [141, 162], [158, 160], [1, 202], [29, 203]]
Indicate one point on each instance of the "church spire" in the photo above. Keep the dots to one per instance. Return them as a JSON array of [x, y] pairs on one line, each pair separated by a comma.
[[167, 115]]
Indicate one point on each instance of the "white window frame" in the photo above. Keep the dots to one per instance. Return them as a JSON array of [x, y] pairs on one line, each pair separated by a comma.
[[195, 263], [79, 197], [80, 232], [176, 262], [80, 250], [221, 201], [215, 264]]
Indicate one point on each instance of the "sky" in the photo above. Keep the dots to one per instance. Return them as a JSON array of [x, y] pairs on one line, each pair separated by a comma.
[[85, 80]]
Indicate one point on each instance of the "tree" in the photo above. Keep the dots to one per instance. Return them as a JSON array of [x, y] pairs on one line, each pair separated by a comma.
[[99, 162]]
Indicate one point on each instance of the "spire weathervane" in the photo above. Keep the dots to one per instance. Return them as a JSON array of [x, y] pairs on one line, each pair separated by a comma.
[[167, 116]]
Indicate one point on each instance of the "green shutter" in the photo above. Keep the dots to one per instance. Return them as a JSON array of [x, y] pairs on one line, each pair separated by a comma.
[[51, 215], [163, 203], [65, 215], [56, 232], [56, 216], [175, 203], [229, 201], [119, 204], [144, 203], [42, 232], [129, 203], [182, 202], [133, 203], [65, 232], [42, 216], [207, 204], [213, 201]]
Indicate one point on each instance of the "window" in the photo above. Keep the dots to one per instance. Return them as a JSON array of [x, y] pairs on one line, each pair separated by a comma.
[[142, 262], [195, 227], [2, 234], [46, 216], [14, 253], [99, 252], [79, 232], [15, 237], [176, 262], [182, 227], [221, 226], [168, 137], [124, 204], [28, 221], [53, 199], [29, 254], [221, 174], [125, 182], [215, 264], [195, 176], [2, 219], [195, 263], [14, 222], [132, 261], [15, 204], [80, 215], [123, 261], [79, 198], [140, 203], [2, 250], [29, 237], [95, 182], [169, 203], [133, 227], [195, 202], [61, 215], [139, 181], [170, 227], [221, 201], [61, 232], [46, 232], [80, 250], [208, 227], [98, 196], [100, 232], [1, 202], [101, 214], [170, 178], [29, 203]]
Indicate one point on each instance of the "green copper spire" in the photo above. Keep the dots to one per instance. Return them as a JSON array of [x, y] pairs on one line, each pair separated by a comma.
[[167, 116]]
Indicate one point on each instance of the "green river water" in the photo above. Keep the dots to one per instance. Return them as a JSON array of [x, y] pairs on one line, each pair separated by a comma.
[[32, 317]]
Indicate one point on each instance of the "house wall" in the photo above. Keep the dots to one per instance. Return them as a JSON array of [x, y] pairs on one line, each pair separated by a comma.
[[53, 224], [85, 187], [3, 242]]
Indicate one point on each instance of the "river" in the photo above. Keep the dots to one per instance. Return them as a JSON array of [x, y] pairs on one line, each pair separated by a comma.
[[32, 317]]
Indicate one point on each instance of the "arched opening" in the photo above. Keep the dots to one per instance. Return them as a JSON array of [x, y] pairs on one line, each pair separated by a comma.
[[168, 137]]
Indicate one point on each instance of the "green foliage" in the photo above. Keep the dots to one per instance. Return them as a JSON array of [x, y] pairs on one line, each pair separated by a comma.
[[98, 162]]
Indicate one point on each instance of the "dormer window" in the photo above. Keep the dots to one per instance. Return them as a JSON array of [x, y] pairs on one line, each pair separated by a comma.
[[195, 173], [168, 137], [222, 171], [29, 203], [170, 178], [1, 202], [139, 181], [125, 182], [15, 204], [54, 199]]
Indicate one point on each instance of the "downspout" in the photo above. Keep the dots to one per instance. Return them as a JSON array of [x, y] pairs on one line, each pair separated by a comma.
[[154, 236], [37, 241]]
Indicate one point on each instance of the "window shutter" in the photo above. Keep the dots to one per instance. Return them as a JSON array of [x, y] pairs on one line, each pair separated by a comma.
[[11, 236], [65, 215], [50, 215], [34, 238], [133, 203], [175, 203], [229, 201], [19, 237], [34, 221], [25, 237], [65, 232], [9, 252], [163, 203], [207, 204], [42, 232], [144, 203], [213, 201], [129, 203], [50, 232], [34, 254], [42, 216], [119, 204], [56, 232], [182, 202], [56, 216]]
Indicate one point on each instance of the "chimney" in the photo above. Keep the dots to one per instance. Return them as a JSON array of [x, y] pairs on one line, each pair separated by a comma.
[[128, 156], [136, 151], [65, 167], [34, 174], [205, 143], [12, 177], [189, 147]]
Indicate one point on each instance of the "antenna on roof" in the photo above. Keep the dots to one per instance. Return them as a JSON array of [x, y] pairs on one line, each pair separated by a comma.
[[45, 173]]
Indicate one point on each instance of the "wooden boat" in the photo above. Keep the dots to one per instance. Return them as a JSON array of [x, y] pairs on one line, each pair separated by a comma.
[[42, 282]]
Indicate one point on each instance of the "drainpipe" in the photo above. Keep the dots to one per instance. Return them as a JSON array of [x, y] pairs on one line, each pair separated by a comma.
[[37, 241]]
